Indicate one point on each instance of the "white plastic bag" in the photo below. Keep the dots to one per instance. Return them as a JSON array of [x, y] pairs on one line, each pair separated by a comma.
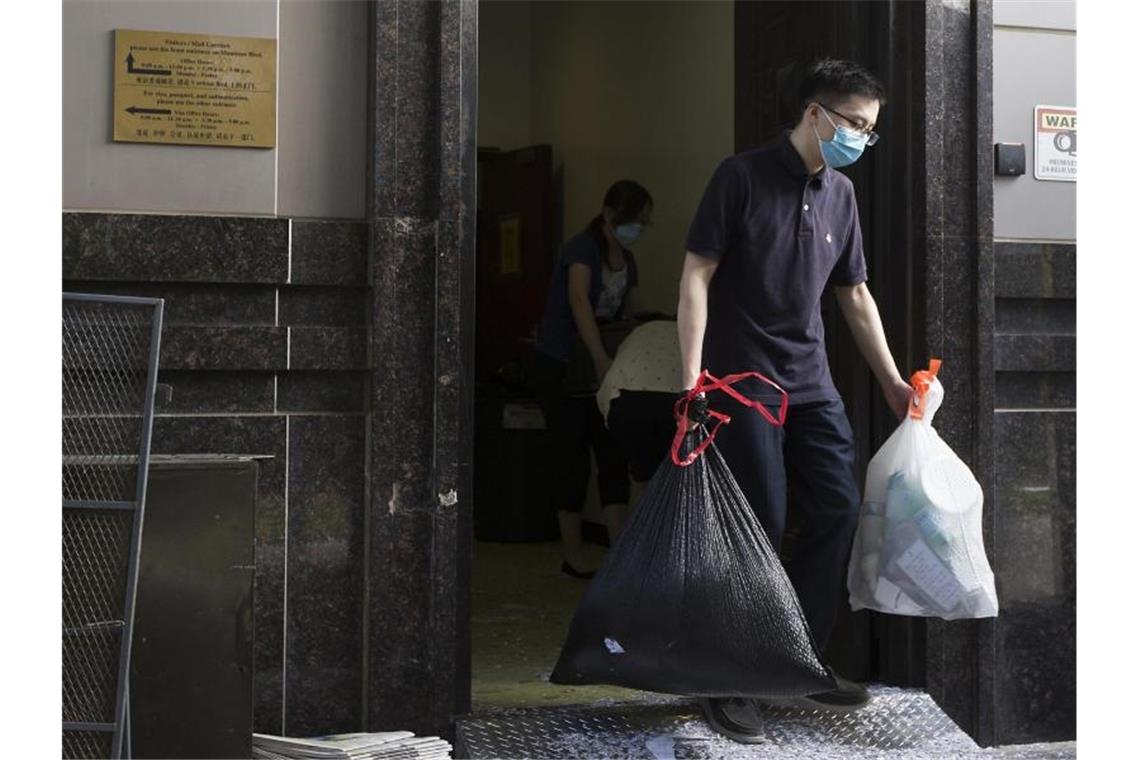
[[918, 546]]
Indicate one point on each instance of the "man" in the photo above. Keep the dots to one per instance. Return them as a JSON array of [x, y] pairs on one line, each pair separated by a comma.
[[775, 227]]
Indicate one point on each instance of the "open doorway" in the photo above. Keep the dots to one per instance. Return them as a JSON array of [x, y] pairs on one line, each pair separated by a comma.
[[573, 96]]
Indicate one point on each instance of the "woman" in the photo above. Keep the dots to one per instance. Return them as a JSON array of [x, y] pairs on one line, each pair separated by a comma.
[[595, 279]]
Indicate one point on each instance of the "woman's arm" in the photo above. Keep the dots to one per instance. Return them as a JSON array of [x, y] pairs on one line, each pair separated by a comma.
[[578, 290], [632, 302]]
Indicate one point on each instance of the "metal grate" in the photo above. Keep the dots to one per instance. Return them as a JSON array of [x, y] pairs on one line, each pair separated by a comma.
[[110, 364], [93, 744], [899, 723], [106, 353], [90, 662], [96, 553]]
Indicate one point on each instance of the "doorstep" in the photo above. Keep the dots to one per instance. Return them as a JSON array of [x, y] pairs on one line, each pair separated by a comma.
[[900, 723]]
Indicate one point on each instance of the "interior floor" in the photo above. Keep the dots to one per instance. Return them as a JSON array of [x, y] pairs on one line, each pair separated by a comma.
[[521, 609]]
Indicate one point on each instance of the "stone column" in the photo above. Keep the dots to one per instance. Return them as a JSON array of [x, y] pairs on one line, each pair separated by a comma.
[[955, 224], [422, 218]]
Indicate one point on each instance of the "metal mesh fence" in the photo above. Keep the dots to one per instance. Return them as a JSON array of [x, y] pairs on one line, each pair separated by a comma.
[[96, 550], [110, 363], [106, 348], [90, 670], [93, 744]]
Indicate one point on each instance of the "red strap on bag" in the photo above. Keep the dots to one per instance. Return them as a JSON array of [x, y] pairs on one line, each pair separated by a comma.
[[921, 381], [706, 383]]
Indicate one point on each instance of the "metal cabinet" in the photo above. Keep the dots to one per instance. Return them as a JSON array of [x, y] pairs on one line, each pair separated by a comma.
[[192, 660]]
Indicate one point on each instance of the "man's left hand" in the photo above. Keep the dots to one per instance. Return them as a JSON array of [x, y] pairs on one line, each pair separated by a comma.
[[898, 394]]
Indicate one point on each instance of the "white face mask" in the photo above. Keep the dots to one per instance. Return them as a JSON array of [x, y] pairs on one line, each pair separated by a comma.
[[627, 234]]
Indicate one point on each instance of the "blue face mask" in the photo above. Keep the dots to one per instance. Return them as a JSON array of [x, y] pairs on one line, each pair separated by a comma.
[[627, 234], [843, 149]]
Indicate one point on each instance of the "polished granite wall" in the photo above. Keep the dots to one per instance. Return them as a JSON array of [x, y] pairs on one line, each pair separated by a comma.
[[422, 255], [1035, 500], [343, 349], [1003, 317], [955, 225], [264, 349]]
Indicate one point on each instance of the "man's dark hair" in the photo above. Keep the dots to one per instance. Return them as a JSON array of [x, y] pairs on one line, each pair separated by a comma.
[[830, 80]]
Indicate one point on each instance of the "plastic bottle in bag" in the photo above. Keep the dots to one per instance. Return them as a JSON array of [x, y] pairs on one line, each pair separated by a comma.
[[918, 546]]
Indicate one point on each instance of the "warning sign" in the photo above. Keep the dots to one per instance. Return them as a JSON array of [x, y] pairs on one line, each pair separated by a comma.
[[195, 89], [1055, 133]]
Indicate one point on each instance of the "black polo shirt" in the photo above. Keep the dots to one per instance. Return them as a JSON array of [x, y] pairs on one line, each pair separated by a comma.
[[781, 237]]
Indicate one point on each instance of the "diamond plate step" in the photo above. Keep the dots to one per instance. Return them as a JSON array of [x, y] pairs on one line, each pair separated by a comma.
[[899, 723]]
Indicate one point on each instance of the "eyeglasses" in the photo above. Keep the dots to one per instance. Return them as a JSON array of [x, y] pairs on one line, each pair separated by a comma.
[[872, 137]]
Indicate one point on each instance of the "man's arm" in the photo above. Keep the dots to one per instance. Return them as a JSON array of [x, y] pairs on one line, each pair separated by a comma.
[[862, 315], [692, 313], [578, 291]]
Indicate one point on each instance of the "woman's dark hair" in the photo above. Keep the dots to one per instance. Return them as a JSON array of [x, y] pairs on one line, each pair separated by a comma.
[[628, 199], [830, 80]]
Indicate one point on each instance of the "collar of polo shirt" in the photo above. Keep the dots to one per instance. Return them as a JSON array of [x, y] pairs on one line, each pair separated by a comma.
[[795, 165]]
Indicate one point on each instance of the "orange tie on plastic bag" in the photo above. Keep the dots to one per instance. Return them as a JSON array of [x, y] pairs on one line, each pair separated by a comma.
[[921, 381]]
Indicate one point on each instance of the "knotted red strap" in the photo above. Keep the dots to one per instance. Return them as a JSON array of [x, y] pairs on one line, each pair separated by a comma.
[[706, 383]]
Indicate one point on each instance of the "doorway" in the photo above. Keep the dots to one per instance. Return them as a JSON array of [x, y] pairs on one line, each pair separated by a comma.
[[573, 96]]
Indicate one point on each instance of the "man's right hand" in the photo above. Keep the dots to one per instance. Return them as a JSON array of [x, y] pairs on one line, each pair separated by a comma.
[[698, 411]]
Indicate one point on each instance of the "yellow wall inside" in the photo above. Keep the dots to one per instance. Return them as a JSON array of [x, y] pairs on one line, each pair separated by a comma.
[[505, 74], [637, 90]]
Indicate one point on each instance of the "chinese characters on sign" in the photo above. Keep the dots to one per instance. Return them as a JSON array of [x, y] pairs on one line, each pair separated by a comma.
[[195, 89], [1055, 143]]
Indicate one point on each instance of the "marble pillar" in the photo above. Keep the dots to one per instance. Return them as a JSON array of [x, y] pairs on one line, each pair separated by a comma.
[[422, 219], [955, 226]]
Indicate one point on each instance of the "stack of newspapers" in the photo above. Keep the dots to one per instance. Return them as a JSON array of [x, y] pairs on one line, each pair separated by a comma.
[[386, 745]]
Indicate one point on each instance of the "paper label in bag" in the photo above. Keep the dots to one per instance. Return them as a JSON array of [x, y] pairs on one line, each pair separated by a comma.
[[891, 597], [921, 565]]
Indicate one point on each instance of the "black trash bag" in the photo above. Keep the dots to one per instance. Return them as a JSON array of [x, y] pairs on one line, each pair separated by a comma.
[[692, 598]]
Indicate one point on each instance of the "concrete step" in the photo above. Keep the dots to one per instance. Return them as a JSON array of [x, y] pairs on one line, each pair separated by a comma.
[[898, 723]]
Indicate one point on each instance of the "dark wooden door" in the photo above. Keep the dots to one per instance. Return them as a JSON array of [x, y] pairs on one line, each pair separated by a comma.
[[514, 253]]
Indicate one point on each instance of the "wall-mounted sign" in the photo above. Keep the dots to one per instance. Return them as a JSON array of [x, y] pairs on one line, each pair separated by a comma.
[[1055, 143], [195, 89]]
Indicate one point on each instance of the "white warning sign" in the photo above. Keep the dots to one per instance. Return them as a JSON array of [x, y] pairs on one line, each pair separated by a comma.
[[1055, 133]]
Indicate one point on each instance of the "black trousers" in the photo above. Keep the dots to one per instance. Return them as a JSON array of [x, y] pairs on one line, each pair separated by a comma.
[[642, 424], [575, 426], [811, 459]]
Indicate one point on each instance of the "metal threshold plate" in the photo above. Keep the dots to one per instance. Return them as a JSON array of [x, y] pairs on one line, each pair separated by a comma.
[[898, 723]]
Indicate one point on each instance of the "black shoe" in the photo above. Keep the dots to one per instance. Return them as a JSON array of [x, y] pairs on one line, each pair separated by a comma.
[[735, 718], [569, 570], [850, 696]]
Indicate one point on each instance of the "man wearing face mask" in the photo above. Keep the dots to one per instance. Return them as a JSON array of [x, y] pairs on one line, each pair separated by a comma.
[[777, 226], [594, 280]]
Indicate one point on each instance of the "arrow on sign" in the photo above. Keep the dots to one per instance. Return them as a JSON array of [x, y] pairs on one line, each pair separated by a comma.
[[136, 109], [150, 72]]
